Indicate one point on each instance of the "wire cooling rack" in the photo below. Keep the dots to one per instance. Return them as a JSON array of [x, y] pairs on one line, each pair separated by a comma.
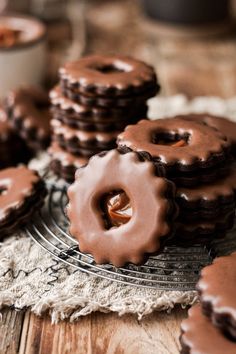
[[176, 268]]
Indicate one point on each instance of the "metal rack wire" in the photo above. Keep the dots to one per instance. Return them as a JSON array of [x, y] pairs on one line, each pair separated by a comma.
[[176, 268]]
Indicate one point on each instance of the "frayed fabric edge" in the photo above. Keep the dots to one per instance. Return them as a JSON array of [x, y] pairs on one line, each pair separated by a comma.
[[73, 309]]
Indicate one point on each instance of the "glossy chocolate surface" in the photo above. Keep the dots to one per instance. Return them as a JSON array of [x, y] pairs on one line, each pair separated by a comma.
[[151, 198]]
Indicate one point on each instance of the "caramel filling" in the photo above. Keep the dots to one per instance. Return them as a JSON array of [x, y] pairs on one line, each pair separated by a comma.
[[179, 143], [170, 139], [118, 209], [9, 37]]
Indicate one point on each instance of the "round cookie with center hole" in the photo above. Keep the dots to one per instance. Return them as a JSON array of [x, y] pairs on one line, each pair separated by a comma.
[[180, 147], [108, 76], [152, 202]]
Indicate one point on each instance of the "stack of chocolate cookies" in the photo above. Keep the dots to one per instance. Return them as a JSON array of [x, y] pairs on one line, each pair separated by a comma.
[[211, 325], [96, 98], [198, 158]]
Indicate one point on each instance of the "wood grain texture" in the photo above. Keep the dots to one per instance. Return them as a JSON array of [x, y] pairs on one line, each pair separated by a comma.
[[10, 330], [103, 334]]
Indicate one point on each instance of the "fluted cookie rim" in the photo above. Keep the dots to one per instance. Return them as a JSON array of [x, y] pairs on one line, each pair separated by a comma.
[[105, 252], [132, 76], [171, 159], [219, 314], [24, 199]]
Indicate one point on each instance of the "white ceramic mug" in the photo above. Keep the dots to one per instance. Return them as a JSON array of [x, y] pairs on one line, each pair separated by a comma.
[[23, 63]]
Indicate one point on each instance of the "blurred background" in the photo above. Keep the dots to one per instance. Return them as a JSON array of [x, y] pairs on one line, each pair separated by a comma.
[[187, 41]]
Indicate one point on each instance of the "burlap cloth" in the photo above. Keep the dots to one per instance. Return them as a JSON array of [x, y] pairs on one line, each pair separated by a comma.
[[30, 277]]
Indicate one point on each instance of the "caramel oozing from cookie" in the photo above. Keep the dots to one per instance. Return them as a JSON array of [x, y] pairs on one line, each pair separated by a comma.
[[118, 208]]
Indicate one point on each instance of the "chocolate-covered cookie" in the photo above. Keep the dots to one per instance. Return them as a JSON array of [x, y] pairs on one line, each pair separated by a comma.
[[21, 194], [200, 336], [181, 147], [73, 139], [12, 147], [63, 106], [29, 113], [99, 125], [204, 231], [208, 200], [64, 164], [217, 289], [108, 76], [152, 201], [224, 125], [103, 101]]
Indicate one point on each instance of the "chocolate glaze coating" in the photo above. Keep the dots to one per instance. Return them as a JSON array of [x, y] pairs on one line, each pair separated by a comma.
[[204, 147], [199, 336], [151, 198], [224, 125], [75, 111], [194, 230], [29, 113], [21, 193], [217, 291], [215, 196], [97, 125], [63, 163], [109, 76], [12, 148], [104, 101], [75, 138]]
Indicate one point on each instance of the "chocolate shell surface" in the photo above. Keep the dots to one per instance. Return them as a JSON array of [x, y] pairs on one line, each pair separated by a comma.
[[21, 193], [110, 76], [199, 336], [151, 197], [178, 145], [29, 112], [225, 126], [217, 290]]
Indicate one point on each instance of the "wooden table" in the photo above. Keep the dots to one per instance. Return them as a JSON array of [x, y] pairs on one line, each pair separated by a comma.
[[194, 67]]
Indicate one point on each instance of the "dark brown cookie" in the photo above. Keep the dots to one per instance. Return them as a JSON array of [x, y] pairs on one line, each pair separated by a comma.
[[64, 164], [217, 289], [208, 200], [102, 126], [152, 200], [63, 106], [199, 336], [205, 230], [12, 148], [29, 113], [117, 102], [21, 194], [224, 125], [74, 140], [178, 145], [109, 76]]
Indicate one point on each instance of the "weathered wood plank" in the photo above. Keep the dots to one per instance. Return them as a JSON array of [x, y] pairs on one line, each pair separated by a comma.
[[103, 333], [11, 322]]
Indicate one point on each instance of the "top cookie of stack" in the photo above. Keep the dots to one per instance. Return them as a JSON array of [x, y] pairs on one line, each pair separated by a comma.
[[191, 152], [97, 97]]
